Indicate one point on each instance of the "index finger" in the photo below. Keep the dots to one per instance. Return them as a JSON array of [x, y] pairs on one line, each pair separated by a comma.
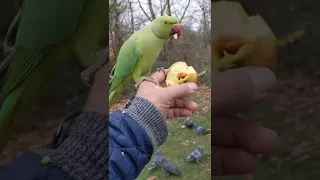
[[160, 76], [238, 89]]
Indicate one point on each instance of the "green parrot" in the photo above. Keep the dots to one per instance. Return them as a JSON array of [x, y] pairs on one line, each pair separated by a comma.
[[51, 33], [138, 54]]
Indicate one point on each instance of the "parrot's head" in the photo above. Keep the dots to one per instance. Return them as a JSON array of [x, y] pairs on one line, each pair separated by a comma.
[[165, 27]]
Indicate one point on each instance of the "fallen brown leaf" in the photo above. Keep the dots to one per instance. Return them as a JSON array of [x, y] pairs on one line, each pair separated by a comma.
[[152, 178]]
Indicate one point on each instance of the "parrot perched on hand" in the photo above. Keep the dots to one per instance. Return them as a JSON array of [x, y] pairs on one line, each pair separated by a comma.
[[51, 33], [138, 54]]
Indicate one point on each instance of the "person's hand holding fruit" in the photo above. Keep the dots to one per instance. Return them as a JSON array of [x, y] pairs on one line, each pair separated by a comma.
[[171, 100]]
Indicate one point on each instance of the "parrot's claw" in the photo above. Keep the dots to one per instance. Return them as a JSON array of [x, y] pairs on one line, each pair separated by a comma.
[[161, 69], [144, 78]]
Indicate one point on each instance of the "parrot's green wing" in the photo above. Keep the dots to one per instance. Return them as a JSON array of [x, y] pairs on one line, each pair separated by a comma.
[[23, 62], [47, 35], [104, 38], [44, 22], [94, 22], [126, 62]]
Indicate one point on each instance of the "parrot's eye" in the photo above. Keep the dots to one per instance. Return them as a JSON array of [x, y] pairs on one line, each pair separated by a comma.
[[165, 22]]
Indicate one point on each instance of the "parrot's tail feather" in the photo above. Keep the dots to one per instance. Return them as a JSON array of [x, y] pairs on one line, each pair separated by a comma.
[[5, 46], [112, 74], [7, 110], [119, 88], [4, 68], [24, 80], [111, 97], [23, 62], [112, 70]]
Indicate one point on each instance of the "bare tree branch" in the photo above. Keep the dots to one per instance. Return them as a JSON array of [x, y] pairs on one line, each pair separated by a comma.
[[205, 21], [169, 8], [116, 24], [132, 20], [185, 10], [151, 10], [170, 40], [163, 8], [145, 13]]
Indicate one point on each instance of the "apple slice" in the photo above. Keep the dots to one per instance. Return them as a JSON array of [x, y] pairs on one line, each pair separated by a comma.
[[180, 72], [239, 40]]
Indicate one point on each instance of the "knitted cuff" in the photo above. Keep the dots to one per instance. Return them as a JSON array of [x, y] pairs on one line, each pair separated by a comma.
[[84, 153], [150, 119]]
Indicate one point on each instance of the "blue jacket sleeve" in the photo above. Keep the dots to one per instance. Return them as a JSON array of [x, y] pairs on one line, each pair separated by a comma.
[[28, 166], [133, 135], [129, 147]]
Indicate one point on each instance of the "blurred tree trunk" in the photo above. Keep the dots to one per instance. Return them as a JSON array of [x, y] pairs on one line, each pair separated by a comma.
[[117, 38], [163, 8], [167, 46], [151, 10], [169, 8], [206, 31], [132, 20], [153, 16]]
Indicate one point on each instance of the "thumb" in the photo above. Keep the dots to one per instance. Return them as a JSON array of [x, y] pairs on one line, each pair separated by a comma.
[[180, 90]]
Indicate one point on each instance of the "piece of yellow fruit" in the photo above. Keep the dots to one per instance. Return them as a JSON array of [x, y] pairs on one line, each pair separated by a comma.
[[240, 40], [179, 73]]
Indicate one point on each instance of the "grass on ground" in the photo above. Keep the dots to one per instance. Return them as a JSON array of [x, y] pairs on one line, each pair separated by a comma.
[[294, 114]]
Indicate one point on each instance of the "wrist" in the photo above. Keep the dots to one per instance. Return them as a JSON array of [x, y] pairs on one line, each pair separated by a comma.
[[149, 118]]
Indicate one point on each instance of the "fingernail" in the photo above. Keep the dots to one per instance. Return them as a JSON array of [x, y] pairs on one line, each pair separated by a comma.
[[271, 137], [192, 86], [263, 78], [269, 132], [195, 105]]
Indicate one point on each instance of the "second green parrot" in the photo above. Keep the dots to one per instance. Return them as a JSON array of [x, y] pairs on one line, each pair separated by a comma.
[[138, 54]]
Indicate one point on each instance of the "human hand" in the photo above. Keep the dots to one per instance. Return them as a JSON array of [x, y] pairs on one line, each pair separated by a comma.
[[235, 141], [170, 101]]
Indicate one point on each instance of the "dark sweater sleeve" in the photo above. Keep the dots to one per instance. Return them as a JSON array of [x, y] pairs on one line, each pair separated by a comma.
[[83, 154], [133, 134]]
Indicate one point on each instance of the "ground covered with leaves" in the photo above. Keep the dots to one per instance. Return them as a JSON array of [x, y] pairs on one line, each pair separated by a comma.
[[292, 110]]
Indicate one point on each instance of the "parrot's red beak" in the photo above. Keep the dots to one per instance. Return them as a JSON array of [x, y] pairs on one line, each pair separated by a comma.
[[176, 31]]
